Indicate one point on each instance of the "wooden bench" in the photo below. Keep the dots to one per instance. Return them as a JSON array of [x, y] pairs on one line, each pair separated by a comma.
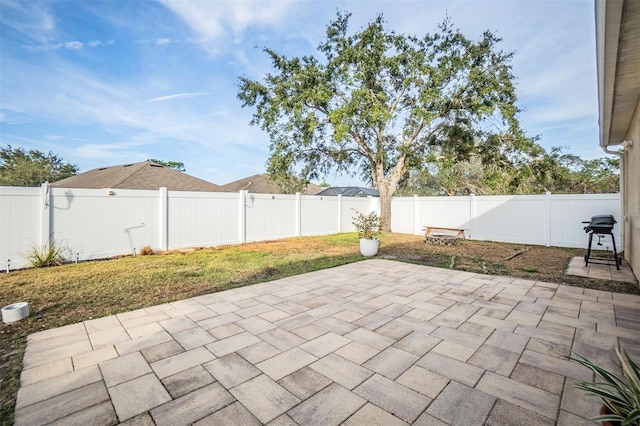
[[435, 231]]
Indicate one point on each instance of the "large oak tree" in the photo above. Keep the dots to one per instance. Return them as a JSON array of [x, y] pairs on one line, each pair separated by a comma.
[[378, 103]]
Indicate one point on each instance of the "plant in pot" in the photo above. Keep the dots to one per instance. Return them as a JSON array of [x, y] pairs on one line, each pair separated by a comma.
[[368, 227], [620, 395]]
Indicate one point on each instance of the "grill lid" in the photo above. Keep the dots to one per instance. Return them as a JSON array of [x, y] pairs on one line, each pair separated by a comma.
[[600, 224], [603, 219]]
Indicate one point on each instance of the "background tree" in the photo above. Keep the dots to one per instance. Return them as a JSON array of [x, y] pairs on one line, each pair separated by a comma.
[[175, 165], [535, 172], [288, 184], [379, 103], [19, 167]]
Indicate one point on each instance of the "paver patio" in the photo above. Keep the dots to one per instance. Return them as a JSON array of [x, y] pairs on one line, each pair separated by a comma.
[[372, 342]]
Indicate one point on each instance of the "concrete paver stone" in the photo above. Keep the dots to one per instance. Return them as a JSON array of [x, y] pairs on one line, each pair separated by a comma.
[[373, 416], [138, 396], [192, 407], [460, 405], [124, 368], [393, 397], [234, 414], [264, 398], [330, 406], [391, 362], [520, 394], [341, 370], [187, 381], [304, 382], [231, 370], [62, 405]]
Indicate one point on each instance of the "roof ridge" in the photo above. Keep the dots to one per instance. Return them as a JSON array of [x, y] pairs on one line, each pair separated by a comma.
[[139, 165]]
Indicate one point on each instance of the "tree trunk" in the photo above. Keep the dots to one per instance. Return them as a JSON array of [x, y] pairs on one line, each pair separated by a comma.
[[387, 187], [385, 207]]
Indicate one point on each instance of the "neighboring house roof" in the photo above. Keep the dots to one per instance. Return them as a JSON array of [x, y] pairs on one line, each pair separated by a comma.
[[145, 175], [261, 184], [618, 53], [350, 191]]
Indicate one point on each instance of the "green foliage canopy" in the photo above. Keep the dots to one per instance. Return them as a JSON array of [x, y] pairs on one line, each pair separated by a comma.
[[535, 173], [175, 165], [19, 167], [378, 103]]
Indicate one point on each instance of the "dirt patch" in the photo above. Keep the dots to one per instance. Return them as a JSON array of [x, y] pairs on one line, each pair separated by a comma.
[[537, 263]]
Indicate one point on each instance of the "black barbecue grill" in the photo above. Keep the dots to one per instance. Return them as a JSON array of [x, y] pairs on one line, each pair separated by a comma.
[[600, 226]]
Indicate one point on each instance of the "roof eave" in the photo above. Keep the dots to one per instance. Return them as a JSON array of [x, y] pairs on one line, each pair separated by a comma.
[[608, 15]]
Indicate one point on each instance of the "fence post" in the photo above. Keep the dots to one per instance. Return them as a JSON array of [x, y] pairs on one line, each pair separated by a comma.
[[472, 215], [298, 214], [339, 213], [45, 216], [243, 215], [416, 215], [163, 222], [547, 222]]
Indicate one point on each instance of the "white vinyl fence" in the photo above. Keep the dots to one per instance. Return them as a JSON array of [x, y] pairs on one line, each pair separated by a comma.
[[100, 223], [549, 219]]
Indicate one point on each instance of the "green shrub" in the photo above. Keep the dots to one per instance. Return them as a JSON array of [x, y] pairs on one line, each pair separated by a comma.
[[368, 225], [621, 395], [47, 255]]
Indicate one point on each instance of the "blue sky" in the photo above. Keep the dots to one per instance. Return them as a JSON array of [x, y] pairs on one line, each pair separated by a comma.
[[103, 83]]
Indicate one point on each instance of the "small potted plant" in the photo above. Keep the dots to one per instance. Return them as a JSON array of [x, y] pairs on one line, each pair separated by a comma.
[[620, 395], [368, 227]]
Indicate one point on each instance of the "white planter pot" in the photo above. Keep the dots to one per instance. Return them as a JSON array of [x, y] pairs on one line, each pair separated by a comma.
[[369, 247], [15, 312]]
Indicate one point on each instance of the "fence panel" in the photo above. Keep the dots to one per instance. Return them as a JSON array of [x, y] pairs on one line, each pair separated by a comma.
[[445, 212], [318, 215], [20, 224], [351, 205], [93, 224], [568, 211], [403, 215], [511, 219], [270, 217], [202, 219]]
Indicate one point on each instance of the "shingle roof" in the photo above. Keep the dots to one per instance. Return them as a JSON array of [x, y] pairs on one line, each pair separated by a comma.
[[350, 191], [261, 184], [145, 175]]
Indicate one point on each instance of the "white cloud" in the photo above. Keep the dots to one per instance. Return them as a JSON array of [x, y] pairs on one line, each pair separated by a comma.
[[32, 19], [108, 153], [217, 21], [177, 96], [46, 46], [162, 41], [96, 43]]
